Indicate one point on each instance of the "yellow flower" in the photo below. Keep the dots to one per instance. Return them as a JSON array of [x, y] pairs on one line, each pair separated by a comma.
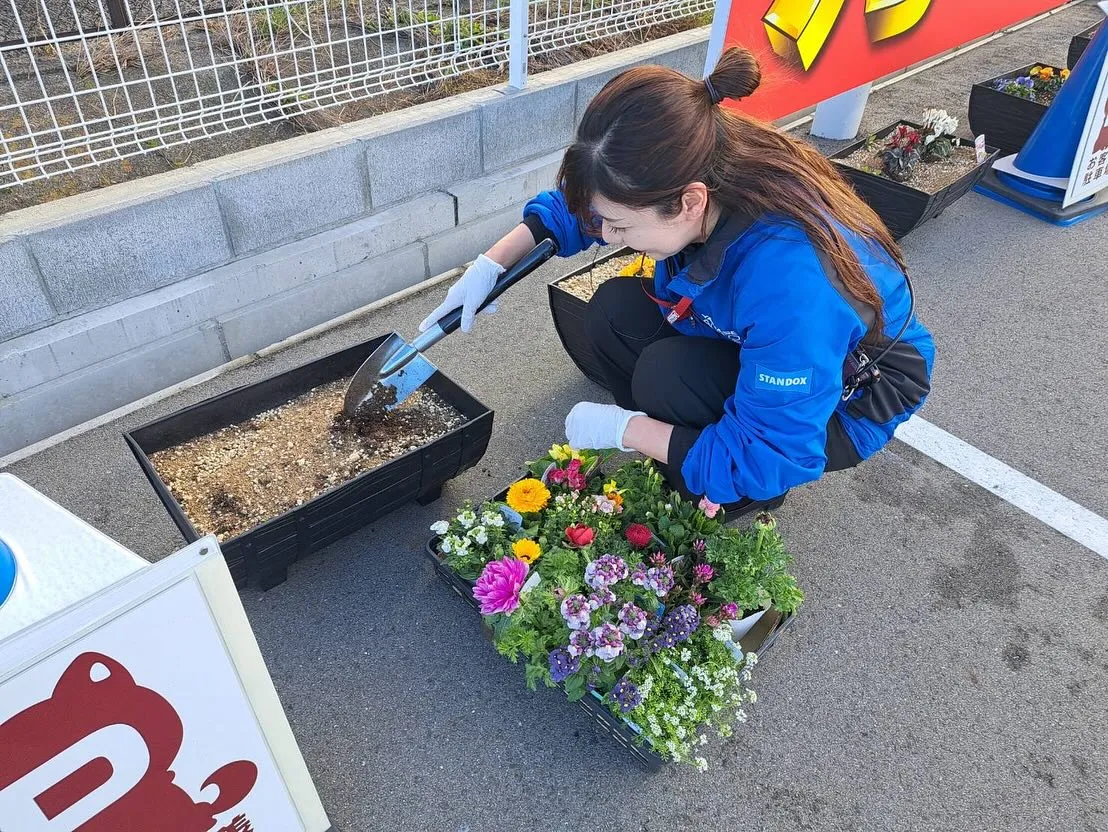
[[610, 485], [562, 453], [643, 267], [528, 496], [1046, 73], [1065, 74], [1035, 70], [526, 550]]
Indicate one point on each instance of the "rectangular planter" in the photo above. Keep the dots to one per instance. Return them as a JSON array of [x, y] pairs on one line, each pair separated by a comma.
[[1079, 43], [902, 207], [759, 639], [568, 312], [262, 555], [1006, 120]]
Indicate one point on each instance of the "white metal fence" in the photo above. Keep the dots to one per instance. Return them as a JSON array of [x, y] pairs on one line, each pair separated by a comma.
[[83, 82]]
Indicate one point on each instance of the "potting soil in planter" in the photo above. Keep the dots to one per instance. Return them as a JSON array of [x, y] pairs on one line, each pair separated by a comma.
[[584, 285], [231, 480], [929, 177]]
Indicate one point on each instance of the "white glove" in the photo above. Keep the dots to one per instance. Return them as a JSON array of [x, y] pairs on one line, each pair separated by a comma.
[[597, 426], [469, 292]]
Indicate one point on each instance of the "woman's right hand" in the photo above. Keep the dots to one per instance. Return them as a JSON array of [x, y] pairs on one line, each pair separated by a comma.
[[469, 292]]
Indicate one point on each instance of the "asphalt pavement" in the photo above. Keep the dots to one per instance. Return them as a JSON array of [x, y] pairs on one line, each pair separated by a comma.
[[948, 669]]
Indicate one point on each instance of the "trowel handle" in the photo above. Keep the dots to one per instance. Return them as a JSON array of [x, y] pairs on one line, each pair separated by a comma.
[[529, 262]]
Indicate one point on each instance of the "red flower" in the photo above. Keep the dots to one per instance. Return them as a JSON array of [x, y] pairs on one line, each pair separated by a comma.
[[579, 535], [638, 535]]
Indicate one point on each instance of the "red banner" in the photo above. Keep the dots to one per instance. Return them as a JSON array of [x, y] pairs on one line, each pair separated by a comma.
[[811, 50]]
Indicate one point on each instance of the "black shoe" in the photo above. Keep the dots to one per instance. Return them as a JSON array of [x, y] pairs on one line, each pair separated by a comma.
[[748, 506]]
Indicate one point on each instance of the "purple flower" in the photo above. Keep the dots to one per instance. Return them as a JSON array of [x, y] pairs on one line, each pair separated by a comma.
[[605, 571], [1026, 81], [602, 598], [638, 574], [703, 573], [580, 643], [659, 580], [632, 621], [729, 611], [607, 642], [576, 611], [626, 695], [698, 599], [680, 623], [563, 664]]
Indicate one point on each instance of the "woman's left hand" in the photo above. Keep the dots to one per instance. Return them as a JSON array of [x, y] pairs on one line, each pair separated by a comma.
[[598, 426]]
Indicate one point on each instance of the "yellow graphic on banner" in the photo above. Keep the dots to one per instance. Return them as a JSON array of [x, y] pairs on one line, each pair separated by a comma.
[[889, 18], [798, 29]]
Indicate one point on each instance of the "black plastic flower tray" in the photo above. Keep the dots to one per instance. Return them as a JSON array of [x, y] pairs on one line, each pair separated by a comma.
[[1007, 121], [261, 556], [761, 637], [568, 312], [1079, 43], [901, 207]]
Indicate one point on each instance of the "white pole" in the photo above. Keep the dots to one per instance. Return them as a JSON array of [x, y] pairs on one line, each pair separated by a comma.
[[840, 116], [715, 38], [517, 44]]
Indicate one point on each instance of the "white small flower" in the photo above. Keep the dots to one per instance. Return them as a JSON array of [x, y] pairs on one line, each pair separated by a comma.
[[681, 732], [686, 656], [441, 527], [446, 545], [716, 707], [669, 506], [494, 520], [722, 633], [467, 518], [701, 764], [751, 697], [703, 739], [672, 746], [479, 534]]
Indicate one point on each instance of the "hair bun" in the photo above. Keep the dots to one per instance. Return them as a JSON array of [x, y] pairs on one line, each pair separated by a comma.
[[736, 75]]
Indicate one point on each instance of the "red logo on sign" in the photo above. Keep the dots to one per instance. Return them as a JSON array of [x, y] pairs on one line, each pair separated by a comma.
[[99, 751]]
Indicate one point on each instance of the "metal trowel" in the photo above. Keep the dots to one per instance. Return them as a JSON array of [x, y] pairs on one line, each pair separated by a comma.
[[396, 369]]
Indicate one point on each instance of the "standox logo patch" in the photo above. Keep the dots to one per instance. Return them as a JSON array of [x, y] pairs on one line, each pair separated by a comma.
[[792, 381]]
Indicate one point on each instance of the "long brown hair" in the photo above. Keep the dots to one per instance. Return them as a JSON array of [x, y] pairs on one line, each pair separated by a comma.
[[652, 131]]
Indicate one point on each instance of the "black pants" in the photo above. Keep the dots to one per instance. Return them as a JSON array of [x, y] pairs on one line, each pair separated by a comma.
[[679, 379]]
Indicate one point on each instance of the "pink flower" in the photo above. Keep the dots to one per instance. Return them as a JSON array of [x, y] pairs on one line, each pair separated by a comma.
[[658, 559], [729, 611], [574, 477], [698, 599], [709, 508], [498, 588], [713, 622], [703, 573]]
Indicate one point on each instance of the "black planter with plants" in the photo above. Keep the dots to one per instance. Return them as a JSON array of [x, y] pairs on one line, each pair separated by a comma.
[[260, 555], [1079, 43], [1006, 120], [901, 206]]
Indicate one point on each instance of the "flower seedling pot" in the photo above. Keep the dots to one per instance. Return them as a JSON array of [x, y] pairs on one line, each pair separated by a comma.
[[262, 555], [1006, 120], [901, 207], [568, 312], [1079, 43], [758, 639]]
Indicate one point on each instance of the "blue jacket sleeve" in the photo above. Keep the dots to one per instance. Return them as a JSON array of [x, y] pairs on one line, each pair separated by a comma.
[[551, 210], [774, 428]]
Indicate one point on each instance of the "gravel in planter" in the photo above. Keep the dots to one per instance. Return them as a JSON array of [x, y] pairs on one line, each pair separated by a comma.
[[232, 480], [584, 286], [929, 177]]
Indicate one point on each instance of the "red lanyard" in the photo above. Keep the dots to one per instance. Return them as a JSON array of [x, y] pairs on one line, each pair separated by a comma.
[[677, 311]]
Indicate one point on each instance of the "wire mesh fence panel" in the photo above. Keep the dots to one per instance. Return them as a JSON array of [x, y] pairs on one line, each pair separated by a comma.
[[84, 82], [557, 24]]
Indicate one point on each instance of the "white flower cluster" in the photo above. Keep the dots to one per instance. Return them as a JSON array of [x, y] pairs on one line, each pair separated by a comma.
[[938, 123]]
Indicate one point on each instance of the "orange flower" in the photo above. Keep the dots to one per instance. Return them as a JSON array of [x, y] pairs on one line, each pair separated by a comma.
[[616, 498], [1046, 73], [1065, 74], [528, 496]]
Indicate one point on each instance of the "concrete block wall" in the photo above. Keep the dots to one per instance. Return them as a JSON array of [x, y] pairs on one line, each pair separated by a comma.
[[113, 295]]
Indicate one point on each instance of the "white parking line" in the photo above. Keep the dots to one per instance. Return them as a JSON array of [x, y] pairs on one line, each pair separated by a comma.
[[1060, 513]]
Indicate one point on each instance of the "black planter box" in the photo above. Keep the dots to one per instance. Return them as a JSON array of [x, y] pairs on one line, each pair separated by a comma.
[[1079, 43], [761, 637], [1006, 120], [568, 312], [902, 207], [262, 555]]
